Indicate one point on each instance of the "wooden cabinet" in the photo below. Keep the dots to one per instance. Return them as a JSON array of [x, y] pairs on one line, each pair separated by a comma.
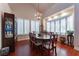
[[8, 39]]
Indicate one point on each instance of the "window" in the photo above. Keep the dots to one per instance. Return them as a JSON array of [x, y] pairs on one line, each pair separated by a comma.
[[23, 26], [63, 26], [32, 25], [19, 26], [57, 25], [48, 26], [37, 26], [52, 26], [26, 27], [70, 23]]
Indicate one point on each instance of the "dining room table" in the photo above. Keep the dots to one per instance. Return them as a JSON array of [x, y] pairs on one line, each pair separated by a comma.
[[39, 41]]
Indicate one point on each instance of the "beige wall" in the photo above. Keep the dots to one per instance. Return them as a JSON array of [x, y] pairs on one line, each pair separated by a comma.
[[3, 8]]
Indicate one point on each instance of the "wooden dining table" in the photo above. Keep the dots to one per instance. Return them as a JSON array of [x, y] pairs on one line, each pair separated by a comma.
[[39, 41], [43, 37]]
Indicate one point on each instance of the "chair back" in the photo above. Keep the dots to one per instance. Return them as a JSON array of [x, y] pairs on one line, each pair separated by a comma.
[[30, 35]]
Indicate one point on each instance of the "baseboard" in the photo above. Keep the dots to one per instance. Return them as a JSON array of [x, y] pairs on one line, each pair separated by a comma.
[[22, 39]]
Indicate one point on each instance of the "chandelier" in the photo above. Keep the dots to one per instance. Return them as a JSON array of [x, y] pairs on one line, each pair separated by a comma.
[[38, 14]]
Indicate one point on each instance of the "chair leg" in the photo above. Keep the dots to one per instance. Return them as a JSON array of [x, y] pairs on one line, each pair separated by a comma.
[[55, 51]]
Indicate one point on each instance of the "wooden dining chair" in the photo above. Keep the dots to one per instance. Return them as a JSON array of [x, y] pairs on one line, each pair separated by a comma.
[[50, 45], [36, 43], [54, 47], [32, 39]]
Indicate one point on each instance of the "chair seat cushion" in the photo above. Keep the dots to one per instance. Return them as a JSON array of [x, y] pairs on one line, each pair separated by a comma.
[[47, 46]]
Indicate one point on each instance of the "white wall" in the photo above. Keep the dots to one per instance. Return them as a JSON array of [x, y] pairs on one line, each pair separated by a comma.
[[3, 8], [76, 25]]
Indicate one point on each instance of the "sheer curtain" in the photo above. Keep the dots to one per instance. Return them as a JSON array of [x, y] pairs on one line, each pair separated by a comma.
[[52, 26], [32, 25], [26, 26], [37, 26], [23, 26], [70, 23], [63, 26], [48, 27], [57, 23], [19, 26]]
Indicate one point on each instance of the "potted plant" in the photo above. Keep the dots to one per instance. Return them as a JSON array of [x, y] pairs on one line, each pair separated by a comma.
[[70, 32]]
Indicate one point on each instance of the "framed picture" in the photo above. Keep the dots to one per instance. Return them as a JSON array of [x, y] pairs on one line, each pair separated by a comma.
[[8, 28]]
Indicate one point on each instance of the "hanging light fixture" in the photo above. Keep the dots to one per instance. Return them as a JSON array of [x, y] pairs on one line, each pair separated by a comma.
[[38, 14]]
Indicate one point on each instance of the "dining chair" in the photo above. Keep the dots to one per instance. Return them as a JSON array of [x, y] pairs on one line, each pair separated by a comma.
[[50, 45], [30, 36]]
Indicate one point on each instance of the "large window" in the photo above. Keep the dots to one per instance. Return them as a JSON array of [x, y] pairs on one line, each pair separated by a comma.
[[61, 25], [26, 26], [35, 26], [32, 25], [23, 26], [20, 26], [57, 25], [48, 27], [70, 23], [52, 26]]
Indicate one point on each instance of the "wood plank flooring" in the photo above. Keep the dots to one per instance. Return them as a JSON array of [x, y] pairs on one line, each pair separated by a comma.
[[23, 48]]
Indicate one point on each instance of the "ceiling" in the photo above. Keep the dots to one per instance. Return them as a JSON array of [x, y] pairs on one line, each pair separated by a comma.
[[42, 6], [28, 10]]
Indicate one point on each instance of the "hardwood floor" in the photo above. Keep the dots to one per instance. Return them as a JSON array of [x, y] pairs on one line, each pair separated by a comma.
[[23, 48]]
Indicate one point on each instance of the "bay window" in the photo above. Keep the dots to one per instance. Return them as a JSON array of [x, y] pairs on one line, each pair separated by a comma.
[[70, 23], [52, 26], [20, 26], [32, 25], [57, 25], [63, 26], [26, 26], [48, 27], [35, 26]]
